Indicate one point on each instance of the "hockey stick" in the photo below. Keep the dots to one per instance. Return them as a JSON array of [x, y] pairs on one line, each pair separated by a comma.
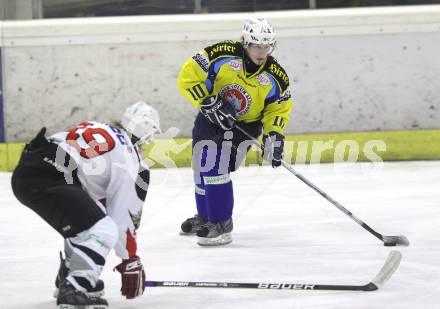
[[387, 240], [390, 266]]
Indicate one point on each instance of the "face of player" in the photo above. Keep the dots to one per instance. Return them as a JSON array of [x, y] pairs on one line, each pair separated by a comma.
[[258, 52]]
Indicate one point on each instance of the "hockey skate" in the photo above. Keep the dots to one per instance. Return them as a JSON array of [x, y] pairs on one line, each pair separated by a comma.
[[71, 298], [215, 233], [191, 225], [63, 271]]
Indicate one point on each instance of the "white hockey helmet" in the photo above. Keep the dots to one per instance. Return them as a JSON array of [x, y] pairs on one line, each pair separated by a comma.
[[258, 31], [141, 121]]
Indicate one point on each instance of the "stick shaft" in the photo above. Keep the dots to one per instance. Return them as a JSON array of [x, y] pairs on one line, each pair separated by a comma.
[[261, 286], [314, 187], [331, 200]]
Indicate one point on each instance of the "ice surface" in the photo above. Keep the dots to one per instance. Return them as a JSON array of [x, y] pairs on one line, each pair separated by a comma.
[[284, 232]]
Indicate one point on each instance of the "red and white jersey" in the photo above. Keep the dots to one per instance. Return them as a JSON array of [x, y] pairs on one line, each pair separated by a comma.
[[113, 173]]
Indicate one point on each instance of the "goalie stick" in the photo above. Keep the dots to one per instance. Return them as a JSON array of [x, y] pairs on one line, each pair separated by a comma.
[[390, 266], [387, 240]]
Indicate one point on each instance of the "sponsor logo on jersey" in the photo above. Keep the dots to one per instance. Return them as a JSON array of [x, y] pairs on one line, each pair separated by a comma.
[[222, 48], [263, 80], [202, 61], [286, 96], [236, 65], [238, 97], [279, 72], [58, 167]]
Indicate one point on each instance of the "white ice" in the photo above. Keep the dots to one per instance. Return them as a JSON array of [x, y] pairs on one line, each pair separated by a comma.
[[284, 232]]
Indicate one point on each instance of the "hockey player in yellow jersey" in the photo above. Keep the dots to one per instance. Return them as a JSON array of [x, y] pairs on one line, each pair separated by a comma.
[[233, 83]]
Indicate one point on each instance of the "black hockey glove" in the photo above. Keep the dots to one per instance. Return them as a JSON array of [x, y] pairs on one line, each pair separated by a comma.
[[219, 112], [273, 148]]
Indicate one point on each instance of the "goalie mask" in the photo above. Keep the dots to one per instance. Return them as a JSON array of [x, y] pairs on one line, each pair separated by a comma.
[[141, 122]]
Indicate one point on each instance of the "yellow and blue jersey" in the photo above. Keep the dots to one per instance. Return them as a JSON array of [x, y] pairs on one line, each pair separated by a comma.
[[219, 69]]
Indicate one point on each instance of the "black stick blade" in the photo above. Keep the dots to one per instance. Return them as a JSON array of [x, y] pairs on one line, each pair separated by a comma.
[[395, 241]]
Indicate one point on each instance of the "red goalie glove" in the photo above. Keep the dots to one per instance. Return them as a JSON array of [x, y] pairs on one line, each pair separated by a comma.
[[133, 277]]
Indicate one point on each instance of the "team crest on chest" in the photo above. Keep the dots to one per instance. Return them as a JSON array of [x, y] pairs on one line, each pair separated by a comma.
[[263, 79], [238, 97], [236, 65]]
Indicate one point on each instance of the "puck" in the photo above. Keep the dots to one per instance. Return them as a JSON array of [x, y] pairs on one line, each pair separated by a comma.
[[389, 244]]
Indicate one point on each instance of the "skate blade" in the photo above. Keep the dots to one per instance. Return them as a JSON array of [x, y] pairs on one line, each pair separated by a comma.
[[65, 306], [223, 239]]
